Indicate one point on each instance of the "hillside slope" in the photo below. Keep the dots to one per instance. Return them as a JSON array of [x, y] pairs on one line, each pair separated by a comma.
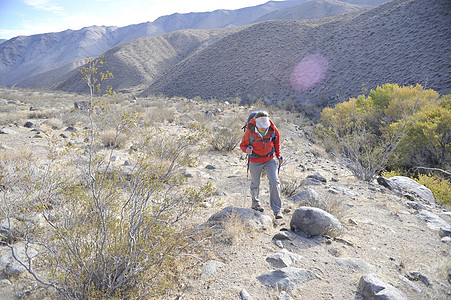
[[25, 56], [401, 237], [315, 9], [404, 42]]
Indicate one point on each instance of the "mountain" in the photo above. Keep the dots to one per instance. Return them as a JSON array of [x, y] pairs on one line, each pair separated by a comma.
[[403, 41], [25, 56], [311, 10]]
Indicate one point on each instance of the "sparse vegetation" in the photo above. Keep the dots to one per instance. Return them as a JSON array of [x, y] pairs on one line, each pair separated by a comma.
[[385, 129]]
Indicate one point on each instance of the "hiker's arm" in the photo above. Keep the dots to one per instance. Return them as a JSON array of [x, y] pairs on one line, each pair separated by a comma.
[[245, 141]]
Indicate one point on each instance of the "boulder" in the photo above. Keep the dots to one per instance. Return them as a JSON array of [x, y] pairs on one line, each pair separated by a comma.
[[314, 222], [371, 287], [318, 176], [288, 279], [434, 222], [405, 185], [283, 259], [248, 216], [308, 197]]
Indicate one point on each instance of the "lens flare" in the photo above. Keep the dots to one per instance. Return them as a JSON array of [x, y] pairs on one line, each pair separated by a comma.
[[308, 72]]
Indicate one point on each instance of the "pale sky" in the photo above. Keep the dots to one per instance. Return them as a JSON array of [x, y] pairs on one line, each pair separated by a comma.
[[28, 17]]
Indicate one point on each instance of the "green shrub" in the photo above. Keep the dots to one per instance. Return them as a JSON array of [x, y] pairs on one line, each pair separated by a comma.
[[377, 131], [440, 187]]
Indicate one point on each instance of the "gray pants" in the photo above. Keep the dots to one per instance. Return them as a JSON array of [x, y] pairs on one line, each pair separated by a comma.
[[274, 186]]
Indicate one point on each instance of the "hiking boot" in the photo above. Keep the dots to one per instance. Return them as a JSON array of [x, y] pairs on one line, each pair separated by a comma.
[[258, 207], [278, 215]]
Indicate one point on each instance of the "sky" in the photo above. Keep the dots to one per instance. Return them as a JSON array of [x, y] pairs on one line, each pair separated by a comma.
[[29, 17]]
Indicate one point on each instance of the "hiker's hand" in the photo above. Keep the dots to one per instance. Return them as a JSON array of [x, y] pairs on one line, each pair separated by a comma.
[[249, 150], [280, 158]]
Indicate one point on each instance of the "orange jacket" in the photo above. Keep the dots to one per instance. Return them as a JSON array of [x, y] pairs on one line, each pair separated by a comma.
[[261, 149]]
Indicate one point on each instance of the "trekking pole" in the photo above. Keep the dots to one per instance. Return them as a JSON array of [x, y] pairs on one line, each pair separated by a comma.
[[248, 160], [280, 164]]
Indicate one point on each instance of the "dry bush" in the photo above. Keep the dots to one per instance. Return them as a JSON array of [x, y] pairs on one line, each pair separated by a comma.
[[113, 139], [54, 123], [230, 231], [289, 187], [101, 234]]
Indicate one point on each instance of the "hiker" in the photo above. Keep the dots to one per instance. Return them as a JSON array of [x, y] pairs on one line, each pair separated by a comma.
[[261, 141]]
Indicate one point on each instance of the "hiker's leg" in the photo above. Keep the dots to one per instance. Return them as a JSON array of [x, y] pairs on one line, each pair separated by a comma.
[[274, 185], [255, 169]]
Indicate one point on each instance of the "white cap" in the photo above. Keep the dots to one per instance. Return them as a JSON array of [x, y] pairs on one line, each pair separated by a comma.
[[262, 122]]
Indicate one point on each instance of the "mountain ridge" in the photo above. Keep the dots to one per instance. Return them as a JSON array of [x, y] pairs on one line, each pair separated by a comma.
[[25, 56]]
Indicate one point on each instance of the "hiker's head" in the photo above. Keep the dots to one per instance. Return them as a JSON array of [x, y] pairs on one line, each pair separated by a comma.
[[262, 120]]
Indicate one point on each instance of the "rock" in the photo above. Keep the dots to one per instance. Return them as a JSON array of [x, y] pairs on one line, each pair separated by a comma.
[[415, 205], [283, 235], [186, 173], [210, 267], [284, 296], [314, 222], [211, 167], [423, 278], [410, 283], [308, 197], [433, 221], [372, 287], [245, 295], [71, 129], [282, 259], [31, 125], [7, 131], [310, 181], [317, 176], [355, 265], [409, 186], [446, 240], [288, 279], [82, 105], [345, 191], [445, 231], [278, 243], [248, 216], [11, 267]]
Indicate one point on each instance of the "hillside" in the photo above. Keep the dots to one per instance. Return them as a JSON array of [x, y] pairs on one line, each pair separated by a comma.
[[25, 56], [311, 10], [401, 238], [403, 42]]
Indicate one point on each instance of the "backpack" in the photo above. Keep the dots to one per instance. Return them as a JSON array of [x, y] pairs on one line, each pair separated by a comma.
[[251, 138], [251, 116]]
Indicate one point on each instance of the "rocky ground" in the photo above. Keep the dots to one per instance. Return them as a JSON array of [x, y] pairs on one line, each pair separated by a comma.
[[384, 233]]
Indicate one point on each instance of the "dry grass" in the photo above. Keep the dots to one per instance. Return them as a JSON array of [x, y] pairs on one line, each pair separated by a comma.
[[230, 231], [112, 139]]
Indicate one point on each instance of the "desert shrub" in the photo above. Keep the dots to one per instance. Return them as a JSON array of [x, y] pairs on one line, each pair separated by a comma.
[[230, 230], [55, 123], [289, 187], [224, 139], [109, 233], [112, 139], [105, 231], [440, 187], [368, 130]]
